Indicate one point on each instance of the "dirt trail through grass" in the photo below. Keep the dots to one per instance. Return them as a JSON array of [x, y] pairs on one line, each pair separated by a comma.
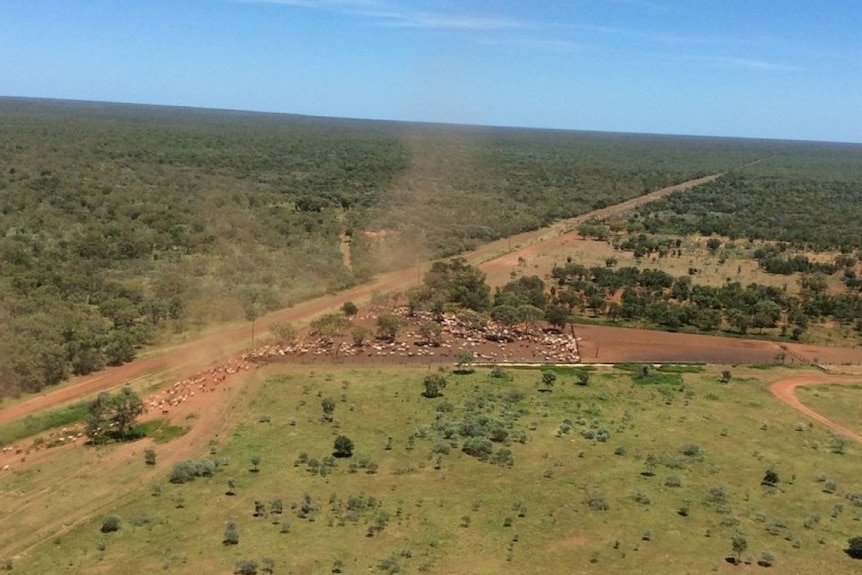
[[785, 390]]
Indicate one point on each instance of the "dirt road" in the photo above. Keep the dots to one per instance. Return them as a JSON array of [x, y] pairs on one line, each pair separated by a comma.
[[785, 389], [226, 341]]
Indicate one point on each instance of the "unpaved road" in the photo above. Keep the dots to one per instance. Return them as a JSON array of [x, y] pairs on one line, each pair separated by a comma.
[[65, 483], [224, 342], [785, 389]]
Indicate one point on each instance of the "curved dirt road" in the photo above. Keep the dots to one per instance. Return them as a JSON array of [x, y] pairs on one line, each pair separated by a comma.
[[784, 390]]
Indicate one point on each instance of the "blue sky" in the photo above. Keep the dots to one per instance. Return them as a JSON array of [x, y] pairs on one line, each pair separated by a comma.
[[753, 68]]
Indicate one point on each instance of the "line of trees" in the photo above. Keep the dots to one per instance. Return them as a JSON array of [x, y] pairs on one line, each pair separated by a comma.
[[631, 294]]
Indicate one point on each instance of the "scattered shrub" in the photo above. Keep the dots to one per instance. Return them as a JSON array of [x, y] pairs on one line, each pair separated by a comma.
[[110, 523]]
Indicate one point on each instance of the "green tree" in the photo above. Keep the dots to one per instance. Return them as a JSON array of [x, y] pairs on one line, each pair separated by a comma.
[[231, 534], [150, 456], [255, 463], [349, 309], [328, 326], [328, 405], [110, 523], [557, 315], [245, 567], [549, 378], [252, 308], [359, 334], [531, 315], [463, 361], [343, 447], [738, 319], [431, 333], [505, 315], [388, 326], [283, 332], [739, 543], [433, 383], [113, 418], [770, 478], [459, 283], [854, 547]]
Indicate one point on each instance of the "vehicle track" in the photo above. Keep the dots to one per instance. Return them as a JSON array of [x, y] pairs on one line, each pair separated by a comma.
[[224, 342], [785, 391]]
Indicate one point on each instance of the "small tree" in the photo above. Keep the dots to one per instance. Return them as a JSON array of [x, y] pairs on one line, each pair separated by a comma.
[[433, 382], [739, 544], [246, 567], [231, 487], [276, 507], [583, 378], [557, 315], [252, 308], [150, 456], [343, 446], [854, 547], [463, 359], [231, 534], [725, 376], [360, 333], [388, 326], [113, 417], [110, 523], [328, 405], [255, 463], [770, 479], [549, 378], [349, 309], [283, 332], [431, 333], [767, 559]]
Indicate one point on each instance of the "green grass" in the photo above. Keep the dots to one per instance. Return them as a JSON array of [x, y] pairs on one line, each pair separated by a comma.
[[40, 422], [472, 516], [681, 368], [160, 431], [840, 403]]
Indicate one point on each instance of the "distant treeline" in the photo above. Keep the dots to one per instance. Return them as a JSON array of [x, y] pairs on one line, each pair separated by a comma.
[[119, 224], [814, 214]]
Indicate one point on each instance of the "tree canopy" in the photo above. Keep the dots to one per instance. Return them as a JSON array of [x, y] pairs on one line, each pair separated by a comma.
[[113, 417]]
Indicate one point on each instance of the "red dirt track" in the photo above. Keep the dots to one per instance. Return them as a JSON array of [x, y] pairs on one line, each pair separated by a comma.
[[785, 389], [211, 349]]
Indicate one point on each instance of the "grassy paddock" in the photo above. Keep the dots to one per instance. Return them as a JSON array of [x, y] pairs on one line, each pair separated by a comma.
[[42, 421], [840, 403], [403, 503]]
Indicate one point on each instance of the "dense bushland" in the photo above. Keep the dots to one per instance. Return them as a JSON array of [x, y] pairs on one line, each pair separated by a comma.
[[808, 213], [120, 224]]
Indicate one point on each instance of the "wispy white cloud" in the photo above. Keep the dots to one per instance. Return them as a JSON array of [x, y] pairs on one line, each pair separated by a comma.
[[393, 15], [743, 63], [547, 45], [447, 21], [643, 4]]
